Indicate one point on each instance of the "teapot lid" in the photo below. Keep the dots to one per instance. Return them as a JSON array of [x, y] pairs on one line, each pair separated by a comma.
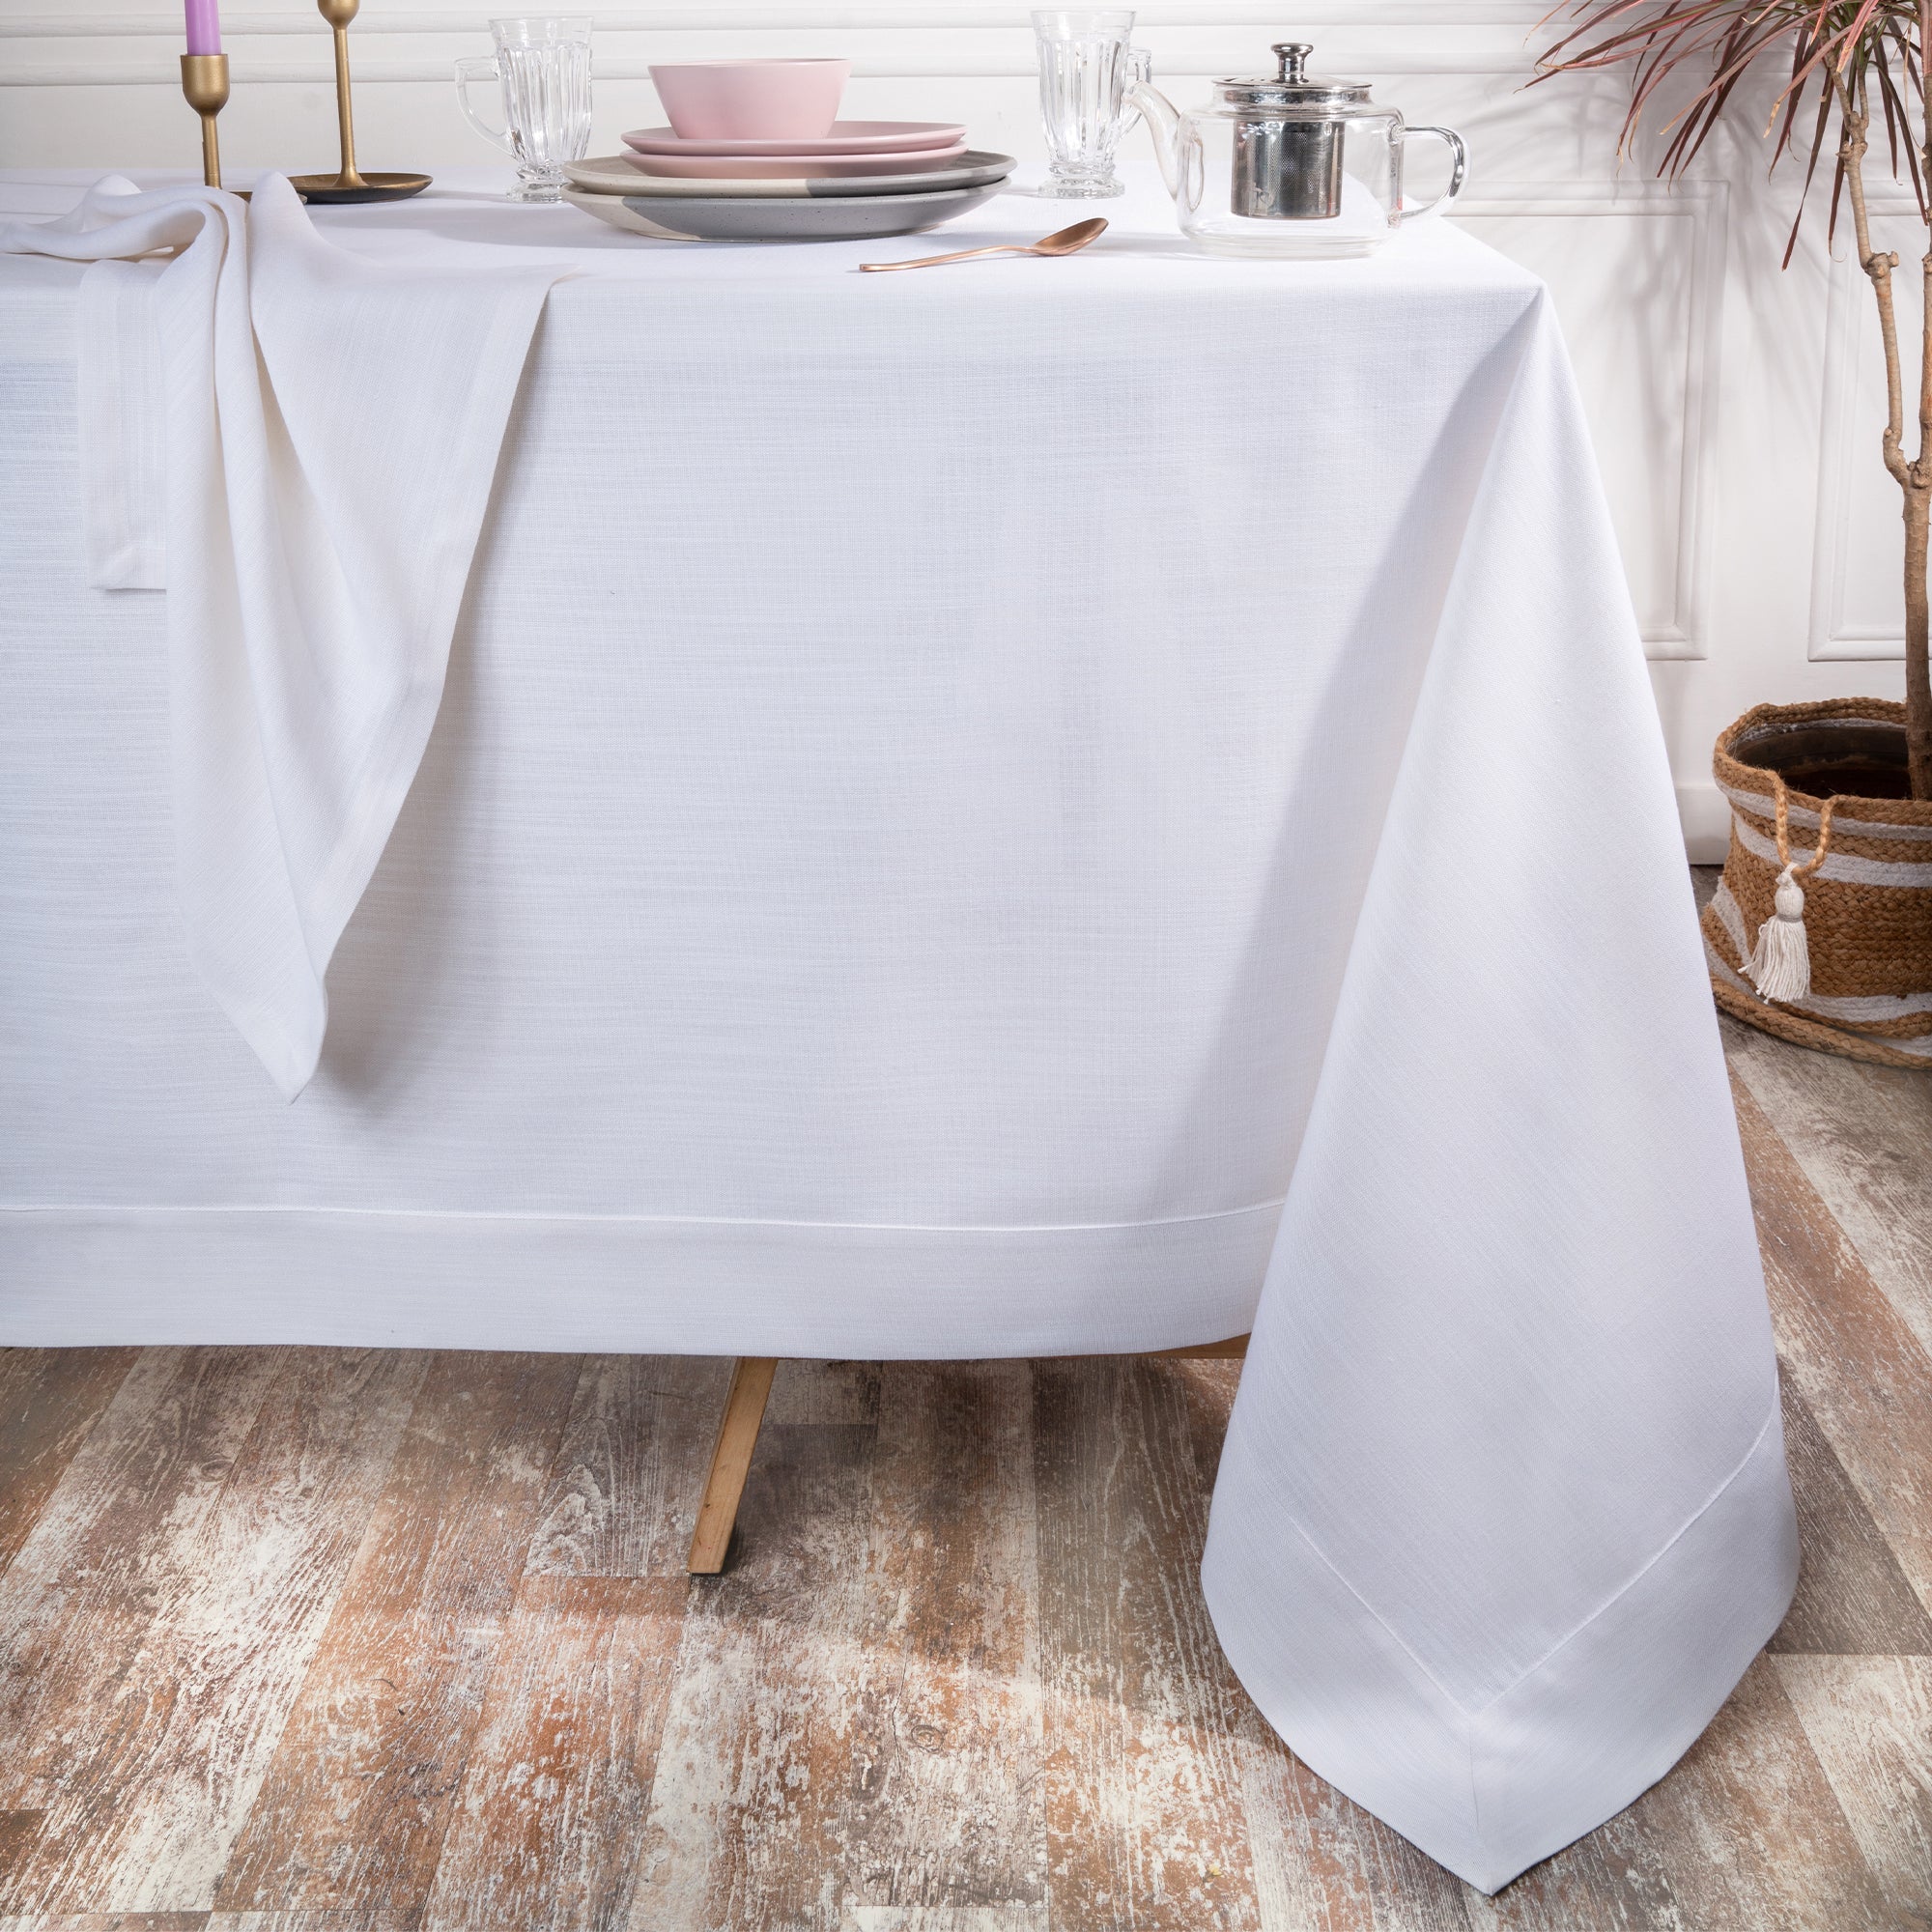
[[1293, 86]]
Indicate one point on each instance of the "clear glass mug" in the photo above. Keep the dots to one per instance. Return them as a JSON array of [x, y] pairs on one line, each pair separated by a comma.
[[542, 69], [1086, 67]]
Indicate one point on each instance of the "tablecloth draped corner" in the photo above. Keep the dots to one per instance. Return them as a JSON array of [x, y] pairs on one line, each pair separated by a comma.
[[1541, 1363], [1490, 1790]]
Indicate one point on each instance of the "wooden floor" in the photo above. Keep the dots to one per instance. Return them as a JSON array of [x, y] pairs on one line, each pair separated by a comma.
[[303, 1641]]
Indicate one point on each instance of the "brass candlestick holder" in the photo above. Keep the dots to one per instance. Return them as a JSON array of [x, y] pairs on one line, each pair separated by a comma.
[[348, 184], [205, 85]]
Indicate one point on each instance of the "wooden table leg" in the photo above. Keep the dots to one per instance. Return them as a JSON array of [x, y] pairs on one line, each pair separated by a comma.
[[1234, 1349], [730, 1462], [738, 1435]]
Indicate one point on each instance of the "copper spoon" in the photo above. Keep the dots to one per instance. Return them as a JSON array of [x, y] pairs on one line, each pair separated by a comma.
[[1062, 241]]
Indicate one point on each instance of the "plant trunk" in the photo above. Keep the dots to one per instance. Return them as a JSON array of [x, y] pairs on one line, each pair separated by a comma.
[[1918, 682], [1918, 671]]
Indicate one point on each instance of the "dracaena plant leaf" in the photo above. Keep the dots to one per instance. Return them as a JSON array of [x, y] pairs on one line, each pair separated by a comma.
[[1855, 75]]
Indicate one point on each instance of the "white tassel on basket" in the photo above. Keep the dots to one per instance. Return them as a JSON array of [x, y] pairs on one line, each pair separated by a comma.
[[1780, 962]]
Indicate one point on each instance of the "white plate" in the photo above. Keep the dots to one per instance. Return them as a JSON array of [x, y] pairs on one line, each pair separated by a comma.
[[844, 217], [847, 137], [613, 174]]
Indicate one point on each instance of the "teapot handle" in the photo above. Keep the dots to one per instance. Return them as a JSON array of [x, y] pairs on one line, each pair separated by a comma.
[[1460, 152], [1158, 114]]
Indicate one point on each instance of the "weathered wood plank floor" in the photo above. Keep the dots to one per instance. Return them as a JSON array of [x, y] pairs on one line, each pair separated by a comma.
[[311, 1642]]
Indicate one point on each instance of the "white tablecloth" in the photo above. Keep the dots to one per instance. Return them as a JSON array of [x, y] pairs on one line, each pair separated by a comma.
[[1016, 809]]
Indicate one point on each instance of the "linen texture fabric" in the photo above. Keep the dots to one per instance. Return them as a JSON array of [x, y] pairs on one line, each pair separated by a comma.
[[1055, 813], [308, 440]]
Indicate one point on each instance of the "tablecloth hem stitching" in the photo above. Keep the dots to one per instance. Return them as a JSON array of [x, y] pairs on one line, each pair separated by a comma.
[[1475, 1797], [645, 1220], [1395, 1636], [1472, 1713], [1610, 1602]]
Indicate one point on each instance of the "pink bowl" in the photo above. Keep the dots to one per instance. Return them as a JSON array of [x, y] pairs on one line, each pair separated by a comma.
[[752, 100]]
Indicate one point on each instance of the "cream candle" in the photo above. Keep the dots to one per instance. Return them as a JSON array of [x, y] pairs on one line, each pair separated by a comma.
[[204, 27]]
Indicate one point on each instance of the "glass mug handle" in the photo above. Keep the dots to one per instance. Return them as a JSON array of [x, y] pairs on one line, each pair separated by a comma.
[[1460, 152], [469, 70], [1138, 64]]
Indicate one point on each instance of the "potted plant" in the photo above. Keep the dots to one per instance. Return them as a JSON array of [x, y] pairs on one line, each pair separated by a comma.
[[1821, 930]]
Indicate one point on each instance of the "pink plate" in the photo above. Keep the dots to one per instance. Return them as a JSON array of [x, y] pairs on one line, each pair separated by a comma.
[[790, 167], [847, 137]]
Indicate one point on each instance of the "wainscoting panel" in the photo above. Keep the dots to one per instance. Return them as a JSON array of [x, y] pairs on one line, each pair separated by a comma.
[[1857, 602], [1637, 269]]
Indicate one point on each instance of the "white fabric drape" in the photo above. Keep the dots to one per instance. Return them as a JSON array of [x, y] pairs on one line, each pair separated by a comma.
[[327, 431], [1510, 1415], [1016, 810]]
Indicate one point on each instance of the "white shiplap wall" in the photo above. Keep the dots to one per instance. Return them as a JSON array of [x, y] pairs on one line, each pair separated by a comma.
[[1736, 408]]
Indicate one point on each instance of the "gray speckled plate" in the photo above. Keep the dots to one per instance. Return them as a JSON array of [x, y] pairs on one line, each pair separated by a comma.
[[845, 218], [612, 174]]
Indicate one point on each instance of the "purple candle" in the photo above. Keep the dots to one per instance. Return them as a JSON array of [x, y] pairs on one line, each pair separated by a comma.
[[204, 27]]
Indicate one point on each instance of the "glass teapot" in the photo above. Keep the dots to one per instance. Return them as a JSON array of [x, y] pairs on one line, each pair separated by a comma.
[[1296, 165]]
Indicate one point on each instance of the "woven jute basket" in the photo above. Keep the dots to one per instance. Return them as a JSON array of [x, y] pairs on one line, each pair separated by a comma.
[[1855, 904]]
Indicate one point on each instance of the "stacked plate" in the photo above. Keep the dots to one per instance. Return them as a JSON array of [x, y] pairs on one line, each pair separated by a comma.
[[862, 179]]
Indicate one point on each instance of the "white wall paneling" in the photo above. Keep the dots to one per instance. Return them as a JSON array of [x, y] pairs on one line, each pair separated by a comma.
[[1858, 600], [1637, 270], [1736, 408]]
